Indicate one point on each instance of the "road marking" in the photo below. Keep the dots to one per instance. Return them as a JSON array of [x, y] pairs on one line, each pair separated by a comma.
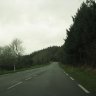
[[13, 81], [64, 72], [85, 90], [28, 78], [71, 78], [15, 85], [67, 74]]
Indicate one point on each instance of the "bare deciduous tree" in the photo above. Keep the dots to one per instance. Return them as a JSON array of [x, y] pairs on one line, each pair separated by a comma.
[[17, 49]]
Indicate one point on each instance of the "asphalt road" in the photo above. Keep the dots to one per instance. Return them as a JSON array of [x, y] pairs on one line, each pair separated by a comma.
[[49, 80]]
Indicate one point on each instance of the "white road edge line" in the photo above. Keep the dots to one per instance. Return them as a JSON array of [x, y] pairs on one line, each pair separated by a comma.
[[85, 90], [67, 74], [28, 78], [71, 78], [64, 72], [15, 85]]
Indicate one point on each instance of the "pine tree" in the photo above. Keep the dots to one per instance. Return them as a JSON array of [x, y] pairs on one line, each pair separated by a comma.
[[80, 43]]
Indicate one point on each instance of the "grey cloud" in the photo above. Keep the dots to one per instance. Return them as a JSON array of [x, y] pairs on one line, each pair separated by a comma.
[[38, 23]]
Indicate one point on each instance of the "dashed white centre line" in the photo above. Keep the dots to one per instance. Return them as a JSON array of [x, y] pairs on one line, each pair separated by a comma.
[[28, 78], [15, 85], [85, 90], [14, 81]]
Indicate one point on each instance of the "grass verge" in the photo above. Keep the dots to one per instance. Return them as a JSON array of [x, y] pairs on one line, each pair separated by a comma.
[[85, 76], [2, 72]]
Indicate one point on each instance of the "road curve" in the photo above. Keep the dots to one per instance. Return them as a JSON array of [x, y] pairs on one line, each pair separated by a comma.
[[49, 80]]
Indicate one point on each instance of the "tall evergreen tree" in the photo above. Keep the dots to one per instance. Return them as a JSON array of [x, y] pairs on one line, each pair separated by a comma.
[[80, 43]]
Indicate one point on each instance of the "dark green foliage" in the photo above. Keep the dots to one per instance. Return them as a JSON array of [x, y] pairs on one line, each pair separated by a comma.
[[24, 61], [7, 62], [45, 56], [10, 56], [80, 44]]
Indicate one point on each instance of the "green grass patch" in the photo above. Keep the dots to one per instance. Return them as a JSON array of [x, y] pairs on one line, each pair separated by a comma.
[[85, 76]]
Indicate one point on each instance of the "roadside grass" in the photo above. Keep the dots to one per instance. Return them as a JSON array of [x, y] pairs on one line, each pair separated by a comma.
[[2, 72], [85, 76]]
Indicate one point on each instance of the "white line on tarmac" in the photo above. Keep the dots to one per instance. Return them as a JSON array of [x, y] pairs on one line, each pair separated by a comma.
[[85, 90], [15, 85], [71, 78], [67, 74], [28, 78]]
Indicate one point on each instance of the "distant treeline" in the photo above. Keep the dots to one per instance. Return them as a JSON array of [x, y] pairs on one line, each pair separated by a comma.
[[79, 48], [9, 59], [45, 55]]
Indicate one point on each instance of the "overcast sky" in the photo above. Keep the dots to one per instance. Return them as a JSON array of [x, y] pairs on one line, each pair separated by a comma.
[[38, 23]]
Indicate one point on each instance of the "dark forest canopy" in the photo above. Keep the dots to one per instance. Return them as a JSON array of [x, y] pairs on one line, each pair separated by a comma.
[[80, 44], [45, 55]]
